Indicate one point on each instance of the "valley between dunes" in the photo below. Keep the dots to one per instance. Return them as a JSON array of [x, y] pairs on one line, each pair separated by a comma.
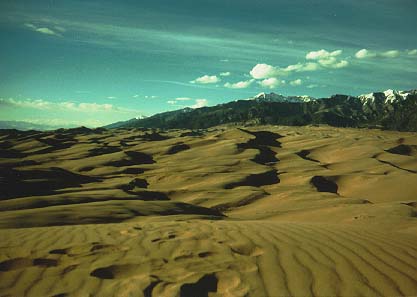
[[228, 211]]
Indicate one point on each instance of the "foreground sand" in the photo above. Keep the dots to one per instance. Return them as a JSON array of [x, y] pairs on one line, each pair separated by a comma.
[[254, 211]]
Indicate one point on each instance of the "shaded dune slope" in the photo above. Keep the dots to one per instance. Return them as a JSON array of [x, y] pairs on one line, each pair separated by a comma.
[[250, 211]]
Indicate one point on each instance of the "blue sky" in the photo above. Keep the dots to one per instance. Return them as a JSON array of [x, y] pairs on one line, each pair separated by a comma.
[[71, 63]]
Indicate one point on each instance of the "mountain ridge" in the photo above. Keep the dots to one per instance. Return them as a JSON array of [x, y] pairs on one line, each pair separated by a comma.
[[392, 110], [273, 97]]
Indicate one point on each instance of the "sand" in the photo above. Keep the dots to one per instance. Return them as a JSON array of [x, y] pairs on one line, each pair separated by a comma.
[[228, 211]]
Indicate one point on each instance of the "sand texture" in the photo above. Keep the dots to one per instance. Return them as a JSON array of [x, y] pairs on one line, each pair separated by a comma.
[[228, 211]]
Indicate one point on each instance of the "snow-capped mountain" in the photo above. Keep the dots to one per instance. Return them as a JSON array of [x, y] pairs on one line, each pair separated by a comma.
[[388, 96], [396, 110], [272, 97]]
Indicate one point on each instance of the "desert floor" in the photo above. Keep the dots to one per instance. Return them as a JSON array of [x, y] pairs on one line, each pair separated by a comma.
[[249, 211]]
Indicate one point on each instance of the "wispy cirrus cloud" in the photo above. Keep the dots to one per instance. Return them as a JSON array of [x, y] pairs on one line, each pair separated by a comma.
[[100, 32]]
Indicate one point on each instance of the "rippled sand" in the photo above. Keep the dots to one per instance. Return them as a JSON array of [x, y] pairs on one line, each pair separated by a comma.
[[249, 211]]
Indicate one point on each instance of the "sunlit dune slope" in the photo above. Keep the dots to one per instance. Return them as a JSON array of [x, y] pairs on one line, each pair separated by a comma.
[[228, 211]]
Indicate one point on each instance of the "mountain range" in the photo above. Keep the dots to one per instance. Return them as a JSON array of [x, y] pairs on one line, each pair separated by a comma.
[[393, 110]]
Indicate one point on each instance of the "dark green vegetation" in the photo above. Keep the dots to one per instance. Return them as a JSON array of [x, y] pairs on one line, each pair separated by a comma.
[[338, 110]]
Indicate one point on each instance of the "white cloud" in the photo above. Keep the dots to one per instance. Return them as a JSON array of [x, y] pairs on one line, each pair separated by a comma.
[[30, 26], [206, 79], [322, 54], [260, 71], [302, 67], [92, 107], [332, 62], [271, 83], [111, 97], [341, 64], [178, 102], [327, 59], [41, 104], [412, 52], [45, 30], [364, 53], [54, 123], [183, 99], [227, 73], [199, 103], [296, 82], [60, 29], [28, 103], [321, 59], [312, 86], [239, 85], [390, 54], [139, 96]]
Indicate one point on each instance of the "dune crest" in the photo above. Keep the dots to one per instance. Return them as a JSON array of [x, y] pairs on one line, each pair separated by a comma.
[[228, 211]]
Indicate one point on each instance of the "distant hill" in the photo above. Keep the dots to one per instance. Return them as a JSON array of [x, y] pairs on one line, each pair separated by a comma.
[[394, 110], [24, 126]]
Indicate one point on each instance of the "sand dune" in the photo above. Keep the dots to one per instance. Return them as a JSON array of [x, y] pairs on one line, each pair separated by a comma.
[[228, 211]]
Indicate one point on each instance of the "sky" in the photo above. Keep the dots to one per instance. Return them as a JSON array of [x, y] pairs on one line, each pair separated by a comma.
[[69, 63]]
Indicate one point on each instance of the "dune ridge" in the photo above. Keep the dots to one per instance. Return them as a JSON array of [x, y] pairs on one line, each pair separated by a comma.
[[227, 211]]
